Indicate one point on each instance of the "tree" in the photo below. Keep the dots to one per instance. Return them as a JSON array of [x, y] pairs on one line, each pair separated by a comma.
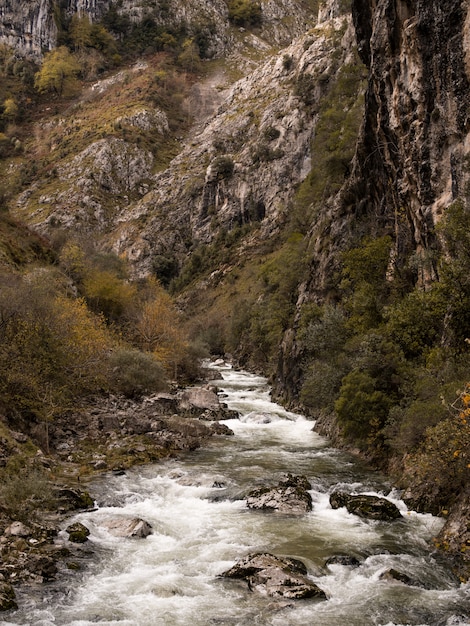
[[58, 73], [10, 109], [245, 12], [158, 329], [80, 31]]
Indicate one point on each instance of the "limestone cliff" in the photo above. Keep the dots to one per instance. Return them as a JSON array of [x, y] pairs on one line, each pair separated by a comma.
[[411, 158], [33, 27], [411, 162], [241, 166]]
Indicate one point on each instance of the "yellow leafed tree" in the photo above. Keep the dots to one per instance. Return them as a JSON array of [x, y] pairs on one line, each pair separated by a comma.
[[158, 330]]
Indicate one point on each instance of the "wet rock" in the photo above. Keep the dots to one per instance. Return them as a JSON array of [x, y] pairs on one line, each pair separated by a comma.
[[135, 527], [275, 576], [41, 567], [221, 429], [289, 496], [7, 596], [393, 574], [342, 559], [366, 506], [78, 533], [71, 499], [221, 413]]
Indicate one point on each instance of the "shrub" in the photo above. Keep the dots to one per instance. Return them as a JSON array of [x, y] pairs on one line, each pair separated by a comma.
[[416, 322], [134, 373], [321, 386], [245, 12], [24, 492], [362, 409], [222, 167]]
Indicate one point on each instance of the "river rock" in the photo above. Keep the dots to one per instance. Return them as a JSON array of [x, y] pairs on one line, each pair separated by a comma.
[[7, 596], [41, 567], [135, 527], [393, 574], [73, 499], [342, 559], [222, 413], [289, 496], [17, 529], [366, 506], [78, 533], [275, 576], [194, 399]]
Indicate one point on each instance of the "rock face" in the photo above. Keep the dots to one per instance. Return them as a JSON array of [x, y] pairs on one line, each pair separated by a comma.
[[411, 156], [275, 576], [31, 27], [368, 507], [289, 496], [242, 169]]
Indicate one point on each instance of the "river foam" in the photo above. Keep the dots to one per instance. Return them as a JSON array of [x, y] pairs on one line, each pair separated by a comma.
[[201, 525]]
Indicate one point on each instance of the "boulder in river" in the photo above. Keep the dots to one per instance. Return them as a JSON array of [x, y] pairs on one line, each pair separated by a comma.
[[122, 527], [275, 576], [78, 533], [7, 596], [71, 499], [401, 577], [343, 559], [289, 496], [366, 506], [199, 398]]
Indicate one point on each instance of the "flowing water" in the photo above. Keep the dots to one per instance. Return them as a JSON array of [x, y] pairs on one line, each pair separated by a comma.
[[201, 526]]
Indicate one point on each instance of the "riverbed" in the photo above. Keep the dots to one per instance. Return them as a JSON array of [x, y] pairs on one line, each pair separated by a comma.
[[201, 526]]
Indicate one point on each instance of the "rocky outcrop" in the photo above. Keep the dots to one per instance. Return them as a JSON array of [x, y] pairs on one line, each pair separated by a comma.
[[204, 403], [411, 156], [275, 576], [289, 496], [366, 506], [33, 27], [242, 169]]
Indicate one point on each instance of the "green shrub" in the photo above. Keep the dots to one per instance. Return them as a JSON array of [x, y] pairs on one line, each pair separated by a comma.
[[245, 12], [222, 167], [135, 373], [362, 409], [25, 492], [416, 323], [321, 385]]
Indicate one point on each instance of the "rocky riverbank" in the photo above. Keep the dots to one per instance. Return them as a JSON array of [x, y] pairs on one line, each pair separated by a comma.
[[108, 435]]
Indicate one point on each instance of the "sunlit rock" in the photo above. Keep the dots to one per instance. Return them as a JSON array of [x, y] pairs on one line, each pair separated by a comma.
[[135, 527]]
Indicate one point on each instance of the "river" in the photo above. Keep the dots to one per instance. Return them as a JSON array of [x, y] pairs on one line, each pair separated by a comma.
[[201, 526]]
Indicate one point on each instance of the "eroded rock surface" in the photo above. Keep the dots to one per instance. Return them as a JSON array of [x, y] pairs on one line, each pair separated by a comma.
[[275, 576], [289, 496], [366, 506]]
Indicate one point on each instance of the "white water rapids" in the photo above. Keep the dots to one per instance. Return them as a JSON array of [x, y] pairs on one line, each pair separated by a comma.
[[201, 526]]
